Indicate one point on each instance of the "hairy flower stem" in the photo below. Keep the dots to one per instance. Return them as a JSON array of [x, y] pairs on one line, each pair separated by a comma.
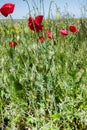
[[28, 7], [12, 22]]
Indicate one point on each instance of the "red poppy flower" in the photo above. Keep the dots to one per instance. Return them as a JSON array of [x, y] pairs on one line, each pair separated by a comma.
[[63, 32], [31, 23], [41, 39], [38, 19], [35, 24], [11, 44], [49, 34], [73, 28], [7, 9], [15, 43]]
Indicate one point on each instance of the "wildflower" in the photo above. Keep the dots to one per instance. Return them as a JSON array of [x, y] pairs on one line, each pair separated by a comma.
[[7, 9], [14, 43], [49, 35], [73, 28], [35, 24], [41, 39], [12, 69], [63, 32], [11, 44]]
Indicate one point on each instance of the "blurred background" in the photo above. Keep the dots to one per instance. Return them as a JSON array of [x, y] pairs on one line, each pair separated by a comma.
[[65, 8]]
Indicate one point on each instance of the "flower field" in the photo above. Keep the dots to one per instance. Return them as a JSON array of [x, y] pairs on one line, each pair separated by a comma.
[[43, 73]]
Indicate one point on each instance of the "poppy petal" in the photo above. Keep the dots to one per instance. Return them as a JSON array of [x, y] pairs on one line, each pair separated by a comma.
[[41, 39], [63, 32], [73, 28], [7, 9], [31, 23], [38, 19], [15, 43], [49, 35], [11, 44]]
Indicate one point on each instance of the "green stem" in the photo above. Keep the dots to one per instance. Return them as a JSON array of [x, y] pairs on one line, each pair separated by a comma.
[[28, 6]]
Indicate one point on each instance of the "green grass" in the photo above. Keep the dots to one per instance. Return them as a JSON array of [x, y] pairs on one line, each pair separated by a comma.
[[43, 86]]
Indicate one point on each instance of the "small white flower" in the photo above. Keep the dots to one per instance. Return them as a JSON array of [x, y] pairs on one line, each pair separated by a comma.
[[12, 69]]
